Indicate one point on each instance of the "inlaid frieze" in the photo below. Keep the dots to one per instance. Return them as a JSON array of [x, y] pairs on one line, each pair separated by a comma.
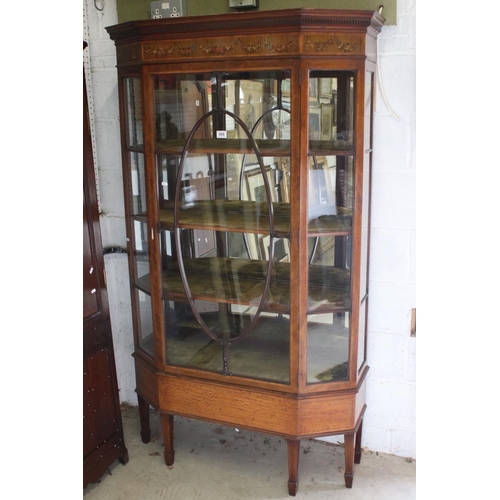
[[334, 44], [128, 53], [241, 47], [219, 47]]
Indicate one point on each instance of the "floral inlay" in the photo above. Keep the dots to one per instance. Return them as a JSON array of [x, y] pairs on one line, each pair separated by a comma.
[[252, 46], [281, 47], [341, 45], [217, 50]]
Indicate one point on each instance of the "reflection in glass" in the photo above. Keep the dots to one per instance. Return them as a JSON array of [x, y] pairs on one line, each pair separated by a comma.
[[365, 226], [138, 181], [138, 229], [145, 322], [167, 167], [134, 111], [141, 255], [327, 347], [331, 110], [187, 343], [362, 333], [329, 279]]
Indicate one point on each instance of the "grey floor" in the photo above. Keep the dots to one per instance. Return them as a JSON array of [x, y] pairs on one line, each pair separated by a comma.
[[223, 463]]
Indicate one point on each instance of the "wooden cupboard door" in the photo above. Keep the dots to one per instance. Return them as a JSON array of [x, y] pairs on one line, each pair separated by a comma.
[[103, 439], [99, 402], [90, 281]]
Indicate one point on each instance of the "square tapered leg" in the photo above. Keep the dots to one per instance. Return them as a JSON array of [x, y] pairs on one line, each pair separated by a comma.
[[293, 466]]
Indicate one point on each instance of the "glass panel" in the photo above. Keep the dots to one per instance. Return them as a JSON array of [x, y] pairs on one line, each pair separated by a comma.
[[139, 255], [141, 297], [180, 101], [265, 352], [365, 210], [365, 217], [187, 343], [368, 110], [365, 221], [138, 181], [146, 340], [331, 110], [224, 211], [330, 223], [134, 112], [327, 347], [362, 334]]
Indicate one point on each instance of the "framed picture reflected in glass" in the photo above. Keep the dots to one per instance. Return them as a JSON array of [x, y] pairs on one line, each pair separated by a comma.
[[281, 249], [255, 185], [326, 122], [321, 190], [255, 190]]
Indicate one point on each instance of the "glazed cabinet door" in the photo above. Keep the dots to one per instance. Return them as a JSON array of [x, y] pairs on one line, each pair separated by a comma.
[[222, 162], [331, 164]]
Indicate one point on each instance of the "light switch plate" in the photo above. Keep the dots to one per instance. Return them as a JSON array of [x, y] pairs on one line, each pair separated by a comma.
[[243, 4]]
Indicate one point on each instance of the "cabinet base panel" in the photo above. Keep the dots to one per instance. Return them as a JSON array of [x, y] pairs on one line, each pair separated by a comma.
[[290, 416]]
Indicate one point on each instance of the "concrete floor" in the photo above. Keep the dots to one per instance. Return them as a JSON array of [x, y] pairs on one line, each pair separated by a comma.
[[221, 463]]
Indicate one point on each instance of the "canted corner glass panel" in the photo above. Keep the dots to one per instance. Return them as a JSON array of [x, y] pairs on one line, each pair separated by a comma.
[[368, 97], [225, 226], [331, 111], [330, 208], [141, 254], [133, 101], [138, 232], [138, 183], [139, 229], [142, 286], [145, 316], [365, 219], [362, 332]]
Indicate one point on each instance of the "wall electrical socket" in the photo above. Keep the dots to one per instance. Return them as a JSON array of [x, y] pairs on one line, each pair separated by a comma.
[[165, 10]]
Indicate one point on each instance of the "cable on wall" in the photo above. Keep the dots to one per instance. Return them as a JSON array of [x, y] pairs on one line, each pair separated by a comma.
[[379, 73]]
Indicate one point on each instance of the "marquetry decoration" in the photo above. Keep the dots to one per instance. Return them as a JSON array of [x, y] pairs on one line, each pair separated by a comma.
[[220, 47], [338, 44]]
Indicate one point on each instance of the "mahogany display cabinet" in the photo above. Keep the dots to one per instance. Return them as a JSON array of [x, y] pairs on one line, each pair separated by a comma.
[[247, 149]]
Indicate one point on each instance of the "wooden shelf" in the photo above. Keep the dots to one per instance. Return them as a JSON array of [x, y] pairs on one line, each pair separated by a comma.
[[327, 148], [242, 281], [266, 147], [273, 147], [248, 217]]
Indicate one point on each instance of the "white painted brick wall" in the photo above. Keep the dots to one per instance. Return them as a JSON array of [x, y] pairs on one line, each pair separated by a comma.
[[389, 424], [109, 177], [390, 419]]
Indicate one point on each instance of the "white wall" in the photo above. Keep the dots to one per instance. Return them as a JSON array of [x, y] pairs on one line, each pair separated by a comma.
[[390, 419], [108, 156]]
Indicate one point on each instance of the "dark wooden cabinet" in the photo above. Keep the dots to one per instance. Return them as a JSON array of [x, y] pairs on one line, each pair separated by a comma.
[[247, 149], [103, 441]]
